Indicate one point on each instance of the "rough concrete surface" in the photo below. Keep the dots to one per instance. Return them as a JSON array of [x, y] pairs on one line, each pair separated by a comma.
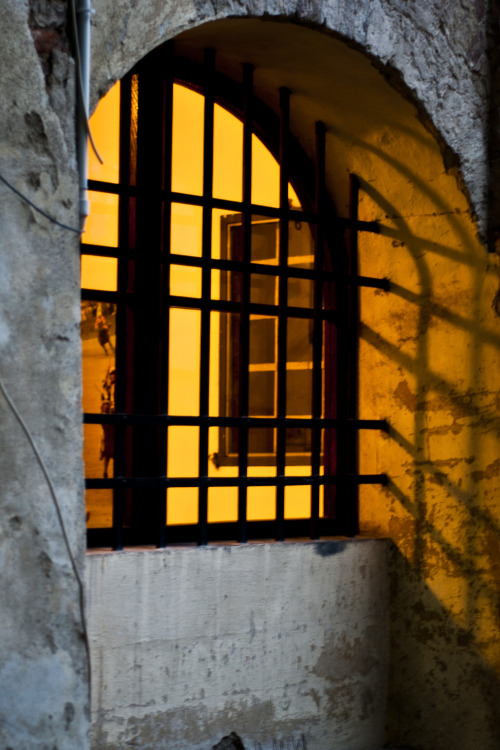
[[279, 643]]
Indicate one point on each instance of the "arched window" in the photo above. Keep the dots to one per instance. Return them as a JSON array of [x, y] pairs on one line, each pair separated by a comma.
[[219, 319]]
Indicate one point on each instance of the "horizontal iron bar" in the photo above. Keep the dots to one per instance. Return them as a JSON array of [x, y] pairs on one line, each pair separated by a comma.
[[199, 303], [297, 528], [370, 281], [235, 206], [276, 481], [251, 422]]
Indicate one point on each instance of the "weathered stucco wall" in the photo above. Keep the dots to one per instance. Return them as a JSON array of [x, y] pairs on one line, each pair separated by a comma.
[[43, 675], [272, 641]]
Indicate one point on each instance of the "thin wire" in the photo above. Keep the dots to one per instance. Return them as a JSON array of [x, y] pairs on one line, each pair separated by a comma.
[[36, 208], [50, 484], [80, 82]]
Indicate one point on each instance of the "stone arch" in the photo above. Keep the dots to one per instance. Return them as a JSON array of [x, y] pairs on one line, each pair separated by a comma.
[[431, 54]]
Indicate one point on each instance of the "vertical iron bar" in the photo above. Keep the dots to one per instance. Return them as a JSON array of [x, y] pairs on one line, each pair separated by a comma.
[[121, 314], [244, 343], [352, 438], [317, 386], [208, 149], [168, 51], [146, 358], [282, 309]]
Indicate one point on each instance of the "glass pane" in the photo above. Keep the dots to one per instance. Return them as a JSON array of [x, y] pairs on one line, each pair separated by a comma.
[[261, 503], [184, 369], [261, 441], [300, 245], [299, 340], [182, 505], [293, 199], [186, 230], [98, 331], [297, 502], [261, 394], [187, 141], [300, 293], [219, 233], [298, 441], [225, 364], [228, 155], [265, 175], [101, 227], [227, 285], [265, 240], [185, 281], [182, 459], [222, 504], [98, 450], [99, 508], [263, 289], [99, 273], [299, 393], [262, 340], [105, 128]]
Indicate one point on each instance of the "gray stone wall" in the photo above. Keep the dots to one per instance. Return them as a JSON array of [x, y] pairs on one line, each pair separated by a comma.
[[43, 673]]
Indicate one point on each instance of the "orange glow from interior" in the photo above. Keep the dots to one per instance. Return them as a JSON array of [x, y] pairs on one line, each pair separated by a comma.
[[185, 325]]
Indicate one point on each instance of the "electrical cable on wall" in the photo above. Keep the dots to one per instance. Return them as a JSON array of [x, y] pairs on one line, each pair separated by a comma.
[[37, 208]]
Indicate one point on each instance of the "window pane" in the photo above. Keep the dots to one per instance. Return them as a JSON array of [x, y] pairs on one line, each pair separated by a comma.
[[101, 227], [98, 450], [105, 126], [222, 504], [98, 331], [293, 199], [300, 293], [99, 273], [299, 393], [263, 289], [225, 377], [299, 340], [186, 229], [228, 155], [297, 502], [261, 441], [262, 340], [298, 440], [185, 281], [182, 505], [261, 503], [184, 363], [183, 442], [265, 176], [300, 245], [99, 508], [261, 394], [265, 240], [187, 141]]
